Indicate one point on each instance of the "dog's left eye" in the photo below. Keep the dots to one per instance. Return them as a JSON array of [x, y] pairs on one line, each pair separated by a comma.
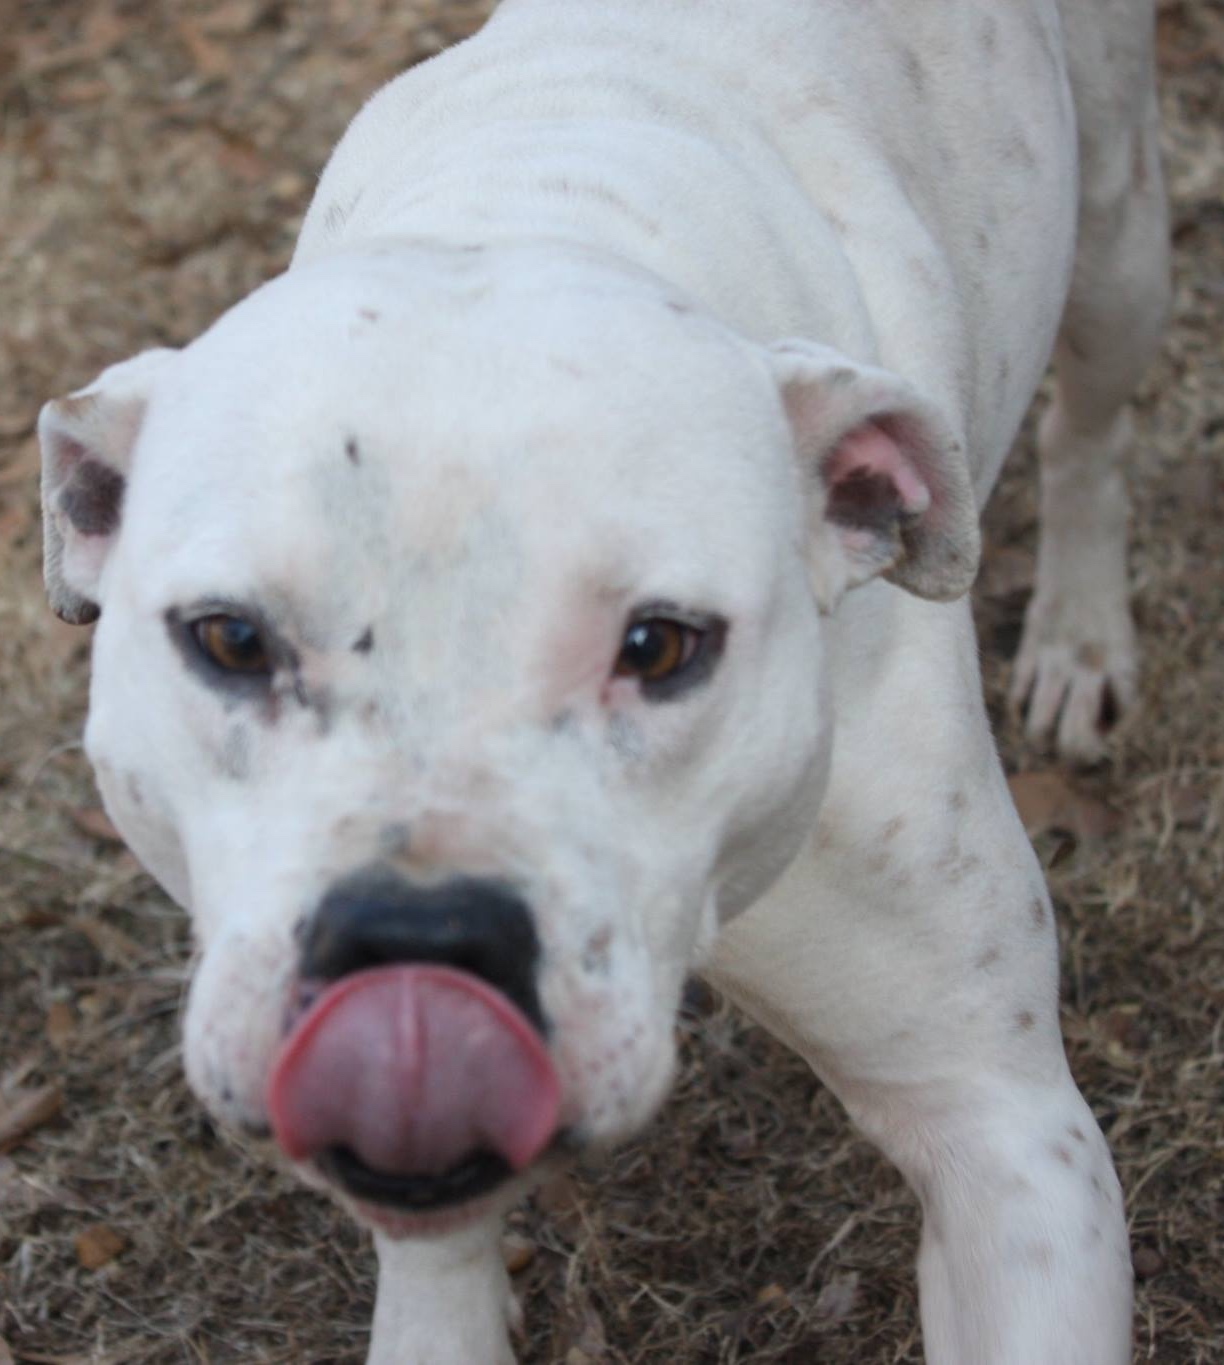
[[657, 649], [231, 643], [666, 655]]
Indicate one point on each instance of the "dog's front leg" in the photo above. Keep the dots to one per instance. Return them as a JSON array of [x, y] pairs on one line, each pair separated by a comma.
[[910, 955], [442, 1300]]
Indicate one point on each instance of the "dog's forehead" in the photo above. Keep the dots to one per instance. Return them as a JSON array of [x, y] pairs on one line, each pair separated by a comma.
[[419, 402]]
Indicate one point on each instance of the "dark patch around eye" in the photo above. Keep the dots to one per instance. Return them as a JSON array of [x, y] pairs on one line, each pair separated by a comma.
[[364, 642], [283, 659], [699, 669]]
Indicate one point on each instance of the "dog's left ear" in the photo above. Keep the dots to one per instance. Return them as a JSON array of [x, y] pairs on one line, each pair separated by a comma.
[[87, 440], [887, 477]]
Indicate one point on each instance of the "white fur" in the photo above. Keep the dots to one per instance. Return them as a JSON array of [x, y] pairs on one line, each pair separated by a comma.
[[527, 371]]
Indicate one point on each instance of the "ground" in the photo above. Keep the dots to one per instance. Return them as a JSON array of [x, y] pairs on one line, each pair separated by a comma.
[[154, 163]]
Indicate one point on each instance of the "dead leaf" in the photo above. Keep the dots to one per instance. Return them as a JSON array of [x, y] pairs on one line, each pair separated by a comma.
[[117, 948], [591, 1344], [1147, 1262], [1048, 801], [24, 1110], [95, 822], [61, 1024], [517, 1252], [210, 59], [233, 16], [240, 158], [560, 1199], [98, 1245], [81, 90], [102, 31], [836, 1300]]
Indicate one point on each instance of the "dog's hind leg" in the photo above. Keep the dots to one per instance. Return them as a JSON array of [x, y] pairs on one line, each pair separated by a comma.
[[1077, 664], [909, 955]]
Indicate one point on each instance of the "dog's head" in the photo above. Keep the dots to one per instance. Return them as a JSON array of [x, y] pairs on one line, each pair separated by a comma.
[[459, 667]]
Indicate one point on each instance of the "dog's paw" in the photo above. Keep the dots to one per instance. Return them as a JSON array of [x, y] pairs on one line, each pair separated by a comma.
[[1075, 674]]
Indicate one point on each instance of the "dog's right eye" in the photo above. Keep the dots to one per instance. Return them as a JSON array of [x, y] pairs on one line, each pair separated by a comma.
[[231, 643]]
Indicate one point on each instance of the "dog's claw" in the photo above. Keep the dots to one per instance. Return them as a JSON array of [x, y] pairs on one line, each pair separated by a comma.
[[1071, 686]]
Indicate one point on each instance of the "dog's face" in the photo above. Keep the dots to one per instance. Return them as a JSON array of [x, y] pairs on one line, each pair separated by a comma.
[[472, 590]]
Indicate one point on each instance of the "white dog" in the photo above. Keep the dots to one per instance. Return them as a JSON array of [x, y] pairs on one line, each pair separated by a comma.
[[556, 583]]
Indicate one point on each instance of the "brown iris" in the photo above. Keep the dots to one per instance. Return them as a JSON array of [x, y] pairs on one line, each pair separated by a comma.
[[231, 643], [656, 649]]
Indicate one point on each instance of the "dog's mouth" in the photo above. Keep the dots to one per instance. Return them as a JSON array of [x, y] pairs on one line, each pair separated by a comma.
[[474, 1176], [414, 1087]]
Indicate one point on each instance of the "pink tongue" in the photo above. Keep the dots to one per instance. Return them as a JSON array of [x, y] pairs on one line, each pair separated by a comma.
[[414, 1068]]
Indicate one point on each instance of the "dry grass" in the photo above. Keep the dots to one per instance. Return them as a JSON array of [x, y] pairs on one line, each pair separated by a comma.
[[154, 162]]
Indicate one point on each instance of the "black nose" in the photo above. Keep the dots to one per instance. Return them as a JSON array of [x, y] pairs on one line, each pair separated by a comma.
[[375, 917]]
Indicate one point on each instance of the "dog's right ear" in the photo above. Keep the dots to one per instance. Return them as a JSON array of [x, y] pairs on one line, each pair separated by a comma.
[[87, 440]]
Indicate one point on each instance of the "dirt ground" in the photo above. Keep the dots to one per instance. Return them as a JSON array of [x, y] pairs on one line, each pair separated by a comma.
[[155, 159]]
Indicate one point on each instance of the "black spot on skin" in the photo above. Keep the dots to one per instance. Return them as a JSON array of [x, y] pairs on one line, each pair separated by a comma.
[[1062, 1154], [563, 722], [235, 760], [990, 36], [675, 306], [135, 795], [597, 952], [988, 958], [1077, 1133], [92, 497], [369, 314], [1025, 1021], [957, 866], [365, 641], [297, 686], [1139, 165], [893, 828], [352, 453], [1017, 150], [1038, 912], [981, 240], [958, 801], [915, 72], [394, 839]]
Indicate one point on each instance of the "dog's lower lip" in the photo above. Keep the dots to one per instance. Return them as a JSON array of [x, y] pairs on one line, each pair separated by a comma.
[[474, 1176]]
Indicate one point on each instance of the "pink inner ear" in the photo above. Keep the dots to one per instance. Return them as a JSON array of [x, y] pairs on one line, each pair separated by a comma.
[[869, 455]]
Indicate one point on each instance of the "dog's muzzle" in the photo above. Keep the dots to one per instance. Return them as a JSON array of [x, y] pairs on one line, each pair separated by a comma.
[[415, 1073]]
